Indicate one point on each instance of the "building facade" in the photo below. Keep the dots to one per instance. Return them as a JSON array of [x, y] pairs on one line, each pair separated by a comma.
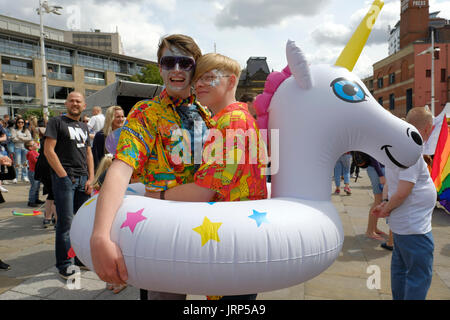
[[253, 77], [109, 42], [69, 67], [403, 79]]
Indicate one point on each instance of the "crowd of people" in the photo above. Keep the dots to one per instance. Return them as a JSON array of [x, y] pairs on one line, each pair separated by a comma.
[[72, 150]]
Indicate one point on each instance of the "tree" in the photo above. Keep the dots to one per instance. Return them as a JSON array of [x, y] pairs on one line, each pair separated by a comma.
[[148, 74]]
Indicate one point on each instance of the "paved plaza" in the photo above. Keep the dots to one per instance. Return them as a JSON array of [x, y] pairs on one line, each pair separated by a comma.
[[29, 249]]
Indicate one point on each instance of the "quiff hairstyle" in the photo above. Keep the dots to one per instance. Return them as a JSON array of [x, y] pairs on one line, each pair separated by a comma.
[[216, 61], [182, 42]]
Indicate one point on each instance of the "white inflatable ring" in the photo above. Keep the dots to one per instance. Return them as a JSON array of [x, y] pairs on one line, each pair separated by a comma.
[[256, 245]]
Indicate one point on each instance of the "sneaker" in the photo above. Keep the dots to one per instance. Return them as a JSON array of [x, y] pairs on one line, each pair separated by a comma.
[[26, 179], [14, 181], [6, 182], [4, 266], [47, 223], [65, 274], [348, 190], [337, 191], [3, 189], [33, 205], [384, 245]]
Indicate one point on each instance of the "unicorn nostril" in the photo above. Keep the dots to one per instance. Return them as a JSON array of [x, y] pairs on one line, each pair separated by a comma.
[[417, 138]]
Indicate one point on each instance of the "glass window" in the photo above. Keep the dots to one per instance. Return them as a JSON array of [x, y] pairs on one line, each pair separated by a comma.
[[380, 83], [392, 78], [19, 89], [58, 54], [380, 101], [55, 92], [94, 77], [391, 101], [17, 66], [59, 72]]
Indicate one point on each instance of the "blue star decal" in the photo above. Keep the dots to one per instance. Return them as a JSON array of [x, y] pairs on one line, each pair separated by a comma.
[[259, 217], [131, 190], [211, 203]]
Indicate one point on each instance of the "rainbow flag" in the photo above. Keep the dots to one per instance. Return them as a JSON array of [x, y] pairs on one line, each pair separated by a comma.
[[440, 172]]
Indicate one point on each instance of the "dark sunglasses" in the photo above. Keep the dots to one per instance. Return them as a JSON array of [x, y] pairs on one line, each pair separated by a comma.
[[169, 63]]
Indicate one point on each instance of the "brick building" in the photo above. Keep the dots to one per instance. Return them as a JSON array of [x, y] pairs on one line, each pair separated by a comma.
[[403, 80]]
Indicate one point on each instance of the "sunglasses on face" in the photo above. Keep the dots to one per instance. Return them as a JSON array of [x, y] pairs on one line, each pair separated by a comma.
[[184, 63], [20, 122]]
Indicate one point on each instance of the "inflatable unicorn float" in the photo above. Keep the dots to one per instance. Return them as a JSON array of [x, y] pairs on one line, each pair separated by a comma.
[[230, 248]]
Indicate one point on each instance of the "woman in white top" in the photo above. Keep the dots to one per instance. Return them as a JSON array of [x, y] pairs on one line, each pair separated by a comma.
[[20, 135]]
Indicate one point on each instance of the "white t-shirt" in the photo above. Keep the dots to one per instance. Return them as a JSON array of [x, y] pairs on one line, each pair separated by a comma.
[[97, 122], [414, 215]]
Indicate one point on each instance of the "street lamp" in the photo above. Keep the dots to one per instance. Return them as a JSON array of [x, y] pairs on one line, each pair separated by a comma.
[[431, 49], [44, 7]]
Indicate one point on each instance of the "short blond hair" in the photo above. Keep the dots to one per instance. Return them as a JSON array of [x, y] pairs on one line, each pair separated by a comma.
[[212, 61], [419, 117]]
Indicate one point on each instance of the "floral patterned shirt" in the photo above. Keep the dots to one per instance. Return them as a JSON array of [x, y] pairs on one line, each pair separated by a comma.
[[150, 142], [234, 157]]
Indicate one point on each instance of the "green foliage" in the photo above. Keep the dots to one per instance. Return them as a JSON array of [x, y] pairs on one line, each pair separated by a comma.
[[148, 74], [38, 113]]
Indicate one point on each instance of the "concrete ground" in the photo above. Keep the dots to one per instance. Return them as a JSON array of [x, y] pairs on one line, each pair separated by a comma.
[[29, 249]]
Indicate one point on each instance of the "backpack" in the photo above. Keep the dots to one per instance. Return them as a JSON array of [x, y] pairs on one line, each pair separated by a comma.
[[42, 170], [361, 159]]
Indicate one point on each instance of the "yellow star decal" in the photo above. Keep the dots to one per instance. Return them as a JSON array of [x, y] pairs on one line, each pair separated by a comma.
[[208, 230]]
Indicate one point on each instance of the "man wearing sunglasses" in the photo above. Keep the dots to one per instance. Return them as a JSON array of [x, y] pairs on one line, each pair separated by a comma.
[[145, 148]]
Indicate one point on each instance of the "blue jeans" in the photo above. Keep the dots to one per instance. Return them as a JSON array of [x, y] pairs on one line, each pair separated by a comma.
[[20, 161], [33, 195], [377, 187], [412, 266], [69, 196], [342, 168]]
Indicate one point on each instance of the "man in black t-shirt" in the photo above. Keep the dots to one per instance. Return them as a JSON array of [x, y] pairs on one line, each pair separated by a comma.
[[68, 151]]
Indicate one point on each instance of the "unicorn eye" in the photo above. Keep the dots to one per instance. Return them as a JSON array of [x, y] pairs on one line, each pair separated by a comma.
[[347, 90]]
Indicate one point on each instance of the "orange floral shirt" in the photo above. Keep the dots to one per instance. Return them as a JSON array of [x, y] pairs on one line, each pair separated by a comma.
[[234, 157]]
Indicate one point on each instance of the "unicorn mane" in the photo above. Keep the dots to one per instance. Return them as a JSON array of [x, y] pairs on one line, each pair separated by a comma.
[[262, 101]]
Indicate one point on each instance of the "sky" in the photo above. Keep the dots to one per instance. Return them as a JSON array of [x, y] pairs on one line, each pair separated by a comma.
[[236, 28]]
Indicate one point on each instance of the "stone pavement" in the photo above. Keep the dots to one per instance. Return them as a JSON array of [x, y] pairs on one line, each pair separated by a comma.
[[29, 249]]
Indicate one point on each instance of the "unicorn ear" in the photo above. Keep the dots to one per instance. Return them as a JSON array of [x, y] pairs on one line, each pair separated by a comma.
[[298, 65]]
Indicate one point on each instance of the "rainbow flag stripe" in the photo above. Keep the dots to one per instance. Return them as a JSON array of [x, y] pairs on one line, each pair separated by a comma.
[[440, 172]]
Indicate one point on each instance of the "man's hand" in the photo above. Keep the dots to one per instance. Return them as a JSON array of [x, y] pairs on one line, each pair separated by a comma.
[[381, 210], [88, 187], [108, 261]]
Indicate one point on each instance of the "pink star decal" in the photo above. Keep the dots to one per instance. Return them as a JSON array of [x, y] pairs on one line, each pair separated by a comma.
[[133, 218]]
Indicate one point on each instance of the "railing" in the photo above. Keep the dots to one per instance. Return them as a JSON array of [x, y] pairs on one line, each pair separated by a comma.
[[60, 76], [97, 81], [17, 70]]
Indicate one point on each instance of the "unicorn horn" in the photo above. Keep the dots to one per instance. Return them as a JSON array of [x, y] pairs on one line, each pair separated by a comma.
[[349, 56]]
